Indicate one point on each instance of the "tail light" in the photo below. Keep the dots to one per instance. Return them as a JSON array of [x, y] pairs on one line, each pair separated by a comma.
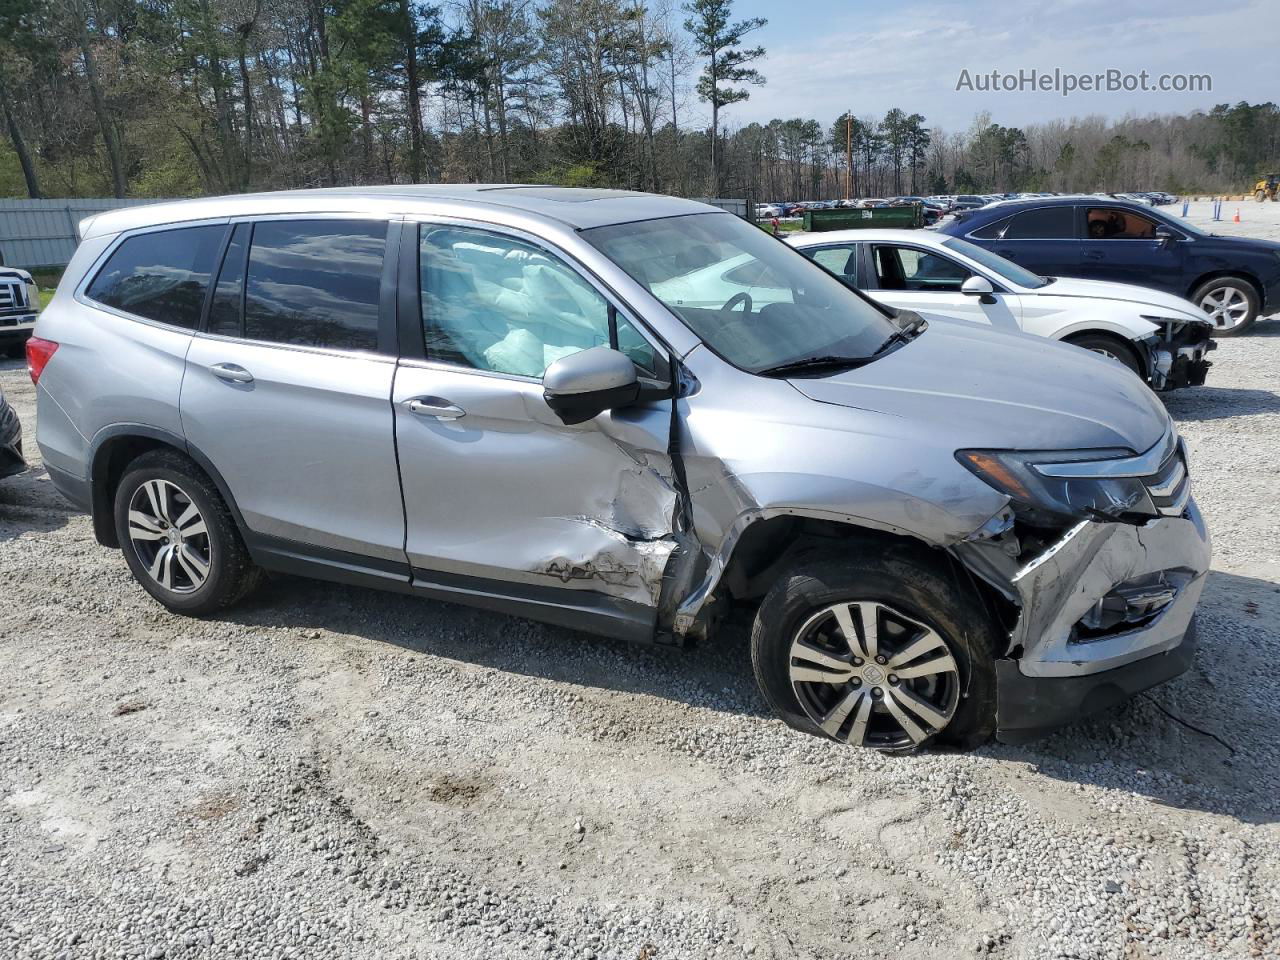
[[38, 354]]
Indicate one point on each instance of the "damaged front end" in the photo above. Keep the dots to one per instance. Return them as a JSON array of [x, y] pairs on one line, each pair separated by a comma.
[[1177, 354], [1099, 608]]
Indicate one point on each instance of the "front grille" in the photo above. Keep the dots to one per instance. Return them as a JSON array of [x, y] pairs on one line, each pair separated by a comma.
[[1170, 486], [13, 296]]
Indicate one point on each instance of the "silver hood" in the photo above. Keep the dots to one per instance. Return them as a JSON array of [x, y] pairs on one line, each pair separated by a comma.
[[993, 389]]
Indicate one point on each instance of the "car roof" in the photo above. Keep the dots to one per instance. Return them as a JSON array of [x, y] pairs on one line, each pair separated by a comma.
[[922, 237], [1005, 208], [576, 207]]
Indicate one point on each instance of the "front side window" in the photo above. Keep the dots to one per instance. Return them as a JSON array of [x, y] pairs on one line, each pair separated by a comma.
[[1114, 223], [315, 283], [908, 268], [756, 302], [1045, 223], [161, 276], [496, 303]]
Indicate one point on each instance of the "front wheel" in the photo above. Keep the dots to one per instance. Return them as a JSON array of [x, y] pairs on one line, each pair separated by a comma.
[[1260, 196], [1232, 304], [886, 652], [1113, 348], [179, 537]]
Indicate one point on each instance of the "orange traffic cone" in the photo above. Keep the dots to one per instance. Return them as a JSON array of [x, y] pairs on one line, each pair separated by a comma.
[[1236, 218]]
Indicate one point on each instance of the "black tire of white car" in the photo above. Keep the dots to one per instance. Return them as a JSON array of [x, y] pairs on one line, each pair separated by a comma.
[[1222, 288], [905, 582], [229, 573], [1111, 347]]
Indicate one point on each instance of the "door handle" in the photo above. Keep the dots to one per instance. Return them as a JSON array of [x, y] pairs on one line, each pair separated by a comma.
[[434, 407], [1093, 255], [232, 372]]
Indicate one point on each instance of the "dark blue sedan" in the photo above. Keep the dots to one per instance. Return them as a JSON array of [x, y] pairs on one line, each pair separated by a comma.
[[1234, 279]]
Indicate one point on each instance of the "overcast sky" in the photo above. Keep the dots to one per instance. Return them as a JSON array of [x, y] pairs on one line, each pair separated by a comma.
[[826, 56]]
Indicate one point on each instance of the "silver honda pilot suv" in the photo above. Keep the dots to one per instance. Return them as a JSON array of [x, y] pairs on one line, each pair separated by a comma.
[[524, 398]]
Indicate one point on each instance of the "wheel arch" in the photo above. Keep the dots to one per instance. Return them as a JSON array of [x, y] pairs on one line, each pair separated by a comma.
[[771, 543], [1126, 343], [114, 448]]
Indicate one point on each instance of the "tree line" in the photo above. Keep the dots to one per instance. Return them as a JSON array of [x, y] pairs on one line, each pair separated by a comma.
[[155, 98]]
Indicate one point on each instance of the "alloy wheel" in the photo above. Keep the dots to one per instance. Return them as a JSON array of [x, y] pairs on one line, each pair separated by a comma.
[[869, 675], [1227, 307], [169, 536]]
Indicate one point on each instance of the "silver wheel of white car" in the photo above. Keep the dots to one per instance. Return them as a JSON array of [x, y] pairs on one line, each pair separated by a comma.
[[1232, 305], [869, 675]]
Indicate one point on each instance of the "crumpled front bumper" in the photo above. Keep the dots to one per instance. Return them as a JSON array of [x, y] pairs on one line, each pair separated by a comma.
[[1179, 356], [1066, 669]]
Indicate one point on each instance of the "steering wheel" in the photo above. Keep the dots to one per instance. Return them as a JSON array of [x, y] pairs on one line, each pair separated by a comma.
[[741, 297]]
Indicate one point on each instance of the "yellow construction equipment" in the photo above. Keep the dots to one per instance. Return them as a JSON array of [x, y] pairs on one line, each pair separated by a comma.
[[1267, 188]]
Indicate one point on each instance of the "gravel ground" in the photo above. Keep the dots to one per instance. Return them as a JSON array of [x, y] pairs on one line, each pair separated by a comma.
[[332, 772]]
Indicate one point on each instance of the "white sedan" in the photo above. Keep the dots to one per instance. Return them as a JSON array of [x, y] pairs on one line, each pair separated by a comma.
[[1162, 338]]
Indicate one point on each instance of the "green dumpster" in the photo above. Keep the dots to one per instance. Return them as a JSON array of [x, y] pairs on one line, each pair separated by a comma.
[[909, 216]]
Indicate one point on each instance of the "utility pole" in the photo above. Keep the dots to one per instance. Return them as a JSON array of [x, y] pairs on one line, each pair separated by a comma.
[[848, 146]]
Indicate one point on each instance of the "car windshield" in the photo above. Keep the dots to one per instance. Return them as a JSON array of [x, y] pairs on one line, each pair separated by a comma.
[[997, 264], [755, 301]]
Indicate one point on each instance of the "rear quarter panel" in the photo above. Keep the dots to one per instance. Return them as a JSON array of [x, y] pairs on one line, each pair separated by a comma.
[[108, 370]]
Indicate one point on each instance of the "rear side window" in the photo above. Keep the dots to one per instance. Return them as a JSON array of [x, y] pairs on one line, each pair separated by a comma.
[[1046, 223], [315, 283], [161, 276], [992, 231]]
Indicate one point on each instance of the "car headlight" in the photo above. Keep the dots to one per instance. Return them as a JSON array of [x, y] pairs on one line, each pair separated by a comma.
[[1027, 478], [33, 296]]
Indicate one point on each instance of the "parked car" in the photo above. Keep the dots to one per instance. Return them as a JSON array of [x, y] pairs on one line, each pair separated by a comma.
[[766, 210], [1161, 338], [1233, 279], [19, 304], [527, 398], [11, 458]]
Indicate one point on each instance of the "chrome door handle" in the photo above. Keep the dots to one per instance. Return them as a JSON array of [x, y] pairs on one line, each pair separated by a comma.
[[232, 372], [435, 407]]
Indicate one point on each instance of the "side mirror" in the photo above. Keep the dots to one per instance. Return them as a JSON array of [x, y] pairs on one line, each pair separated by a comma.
[[1165, 236], [977, 286], [584, 385]]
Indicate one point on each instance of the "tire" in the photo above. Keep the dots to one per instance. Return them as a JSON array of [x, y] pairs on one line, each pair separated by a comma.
[[1237, 304], [170, 519], [16, 351], [913, 601], [1112, 347], [1260, 195]]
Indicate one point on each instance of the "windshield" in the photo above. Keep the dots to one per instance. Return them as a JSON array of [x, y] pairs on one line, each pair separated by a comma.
[[997, 264], [753, 300]]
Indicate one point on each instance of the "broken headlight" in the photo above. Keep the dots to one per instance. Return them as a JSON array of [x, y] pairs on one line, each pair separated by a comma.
[[1036, 486]]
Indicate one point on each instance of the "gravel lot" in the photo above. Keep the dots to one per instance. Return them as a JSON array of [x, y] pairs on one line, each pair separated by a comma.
[[332, 772]]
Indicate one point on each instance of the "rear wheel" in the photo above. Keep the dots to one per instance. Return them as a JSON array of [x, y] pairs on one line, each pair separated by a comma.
[[1111, 347], [1260, 195], [179, 537], [1232, 304], [883, 652]]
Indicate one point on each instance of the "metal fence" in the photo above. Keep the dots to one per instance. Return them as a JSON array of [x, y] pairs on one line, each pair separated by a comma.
[[42, 233]]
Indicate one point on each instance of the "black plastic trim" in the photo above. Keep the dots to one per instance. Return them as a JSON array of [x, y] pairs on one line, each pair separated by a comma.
[[583, 610], [1031, 707], [76, 490]]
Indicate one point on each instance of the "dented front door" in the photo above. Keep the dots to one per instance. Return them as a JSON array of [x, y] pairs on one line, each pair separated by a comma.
[[497, 488]]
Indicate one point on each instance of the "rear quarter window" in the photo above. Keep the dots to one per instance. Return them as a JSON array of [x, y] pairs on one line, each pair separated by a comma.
[[162, 275]]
